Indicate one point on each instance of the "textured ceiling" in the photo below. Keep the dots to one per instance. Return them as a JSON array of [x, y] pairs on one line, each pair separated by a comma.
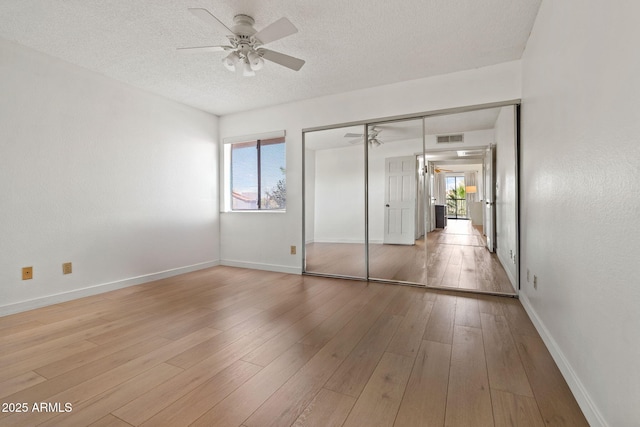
[[348, 45]]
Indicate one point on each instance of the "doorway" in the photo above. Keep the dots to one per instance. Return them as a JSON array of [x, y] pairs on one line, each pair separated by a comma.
[[456, 197], [459, 255]]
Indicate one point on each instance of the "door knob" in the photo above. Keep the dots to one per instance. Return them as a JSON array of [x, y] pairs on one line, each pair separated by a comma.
[[387, 205]]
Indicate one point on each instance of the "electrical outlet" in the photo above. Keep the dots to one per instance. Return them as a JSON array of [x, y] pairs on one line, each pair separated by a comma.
[[27, 273], [66, 268], [293, 250], [535, 282]]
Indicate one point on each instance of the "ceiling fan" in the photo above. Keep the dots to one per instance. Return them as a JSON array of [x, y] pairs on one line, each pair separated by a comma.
[[372, 137], [245, 48]]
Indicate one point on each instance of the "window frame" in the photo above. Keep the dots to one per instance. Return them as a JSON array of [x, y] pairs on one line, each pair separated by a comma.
[[260, 140]]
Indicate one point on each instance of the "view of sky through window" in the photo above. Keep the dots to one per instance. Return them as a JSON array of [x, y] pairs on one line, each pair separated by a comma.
[[245, 179]]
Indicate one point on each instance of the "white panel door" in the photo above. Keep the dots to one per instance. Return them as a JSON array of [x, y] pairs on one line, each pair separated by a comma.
[[400, 200], [489, 197]]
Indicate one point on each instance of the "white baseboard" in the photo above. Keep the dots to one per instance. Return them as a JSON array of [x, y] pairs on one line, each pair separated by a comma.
[[101, 288], [261, 266], [359, 241], [589, 409]]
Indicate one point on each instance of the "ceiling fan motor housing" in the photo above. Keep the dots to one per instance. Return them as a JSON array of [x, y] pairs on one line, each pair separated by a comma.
[[244, 31], [244, 41], [243, 25]]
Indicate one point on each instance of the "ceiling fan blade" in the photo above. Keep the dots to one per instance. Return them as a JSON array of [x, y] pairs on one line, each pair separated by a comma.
[[208, 18], [203, 49], [279, 29], [282, 59], [353, 135]]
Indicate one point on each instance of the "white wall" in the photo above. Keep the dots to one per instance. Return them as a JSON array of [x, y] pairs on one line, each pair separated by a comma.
[[117, 181], [580, 170], [505, 196], [339, 195], [248, 239]]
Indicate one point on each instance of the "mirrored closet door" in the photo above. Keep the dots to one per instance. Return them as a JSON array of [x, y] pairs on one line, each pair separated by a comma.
[[334, 211], [426, 201], [396, 201], [473, 162]]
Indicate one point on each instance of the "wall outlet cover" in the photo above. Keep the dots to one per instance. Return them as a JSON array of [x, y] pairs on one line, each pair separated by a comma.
[[27, 273]]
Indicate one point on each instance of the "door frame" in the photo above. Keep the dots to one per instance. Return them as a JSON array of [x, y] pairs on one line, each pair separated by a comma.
[[489, 208]]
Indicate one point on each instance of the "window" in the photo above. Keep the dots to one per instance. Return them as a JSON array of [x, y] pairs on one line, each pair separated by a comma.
[[456, 197], [257, 174]]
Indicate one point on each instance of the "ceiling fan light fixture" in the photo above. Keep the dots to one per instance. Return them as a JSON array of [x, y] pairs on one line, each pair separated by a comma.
[[246, 43], [231, 60], [255, 61], [247, 70]]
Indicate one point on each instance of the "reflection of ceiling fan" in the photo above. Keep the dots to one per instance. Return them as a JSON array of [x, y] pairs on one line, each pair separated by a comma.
[[245, 47], [372, 137], [439, 170]]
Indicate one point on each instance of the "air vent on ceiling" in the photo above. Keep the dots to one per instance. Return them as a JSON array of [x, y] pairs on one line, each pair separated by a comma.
[[446, 139]]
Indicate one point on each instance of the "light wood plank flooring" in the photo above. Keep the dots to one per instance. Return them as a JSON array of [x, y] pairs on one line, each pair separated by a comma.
[[236, 347], [453, 257]]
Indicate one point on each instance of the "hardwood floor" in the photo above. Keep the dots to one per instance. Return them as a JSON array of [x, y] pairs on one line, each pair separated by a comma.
[[454, 257], [231, 347]]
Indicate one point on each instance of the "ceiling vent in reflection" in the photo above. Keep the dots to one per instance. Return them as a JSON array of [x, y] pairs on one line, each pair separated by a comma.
[[447, 139]]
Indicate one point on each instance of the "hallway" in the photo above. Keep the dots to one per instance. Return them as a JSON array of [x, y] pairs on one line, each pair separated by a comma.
[[458, 258]]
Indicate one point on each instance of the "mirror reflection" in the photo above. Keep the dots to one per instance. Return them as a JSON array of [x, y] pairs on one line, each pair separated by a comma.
[[396, 202], [471, 166], [441, 201], [334, 202]]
